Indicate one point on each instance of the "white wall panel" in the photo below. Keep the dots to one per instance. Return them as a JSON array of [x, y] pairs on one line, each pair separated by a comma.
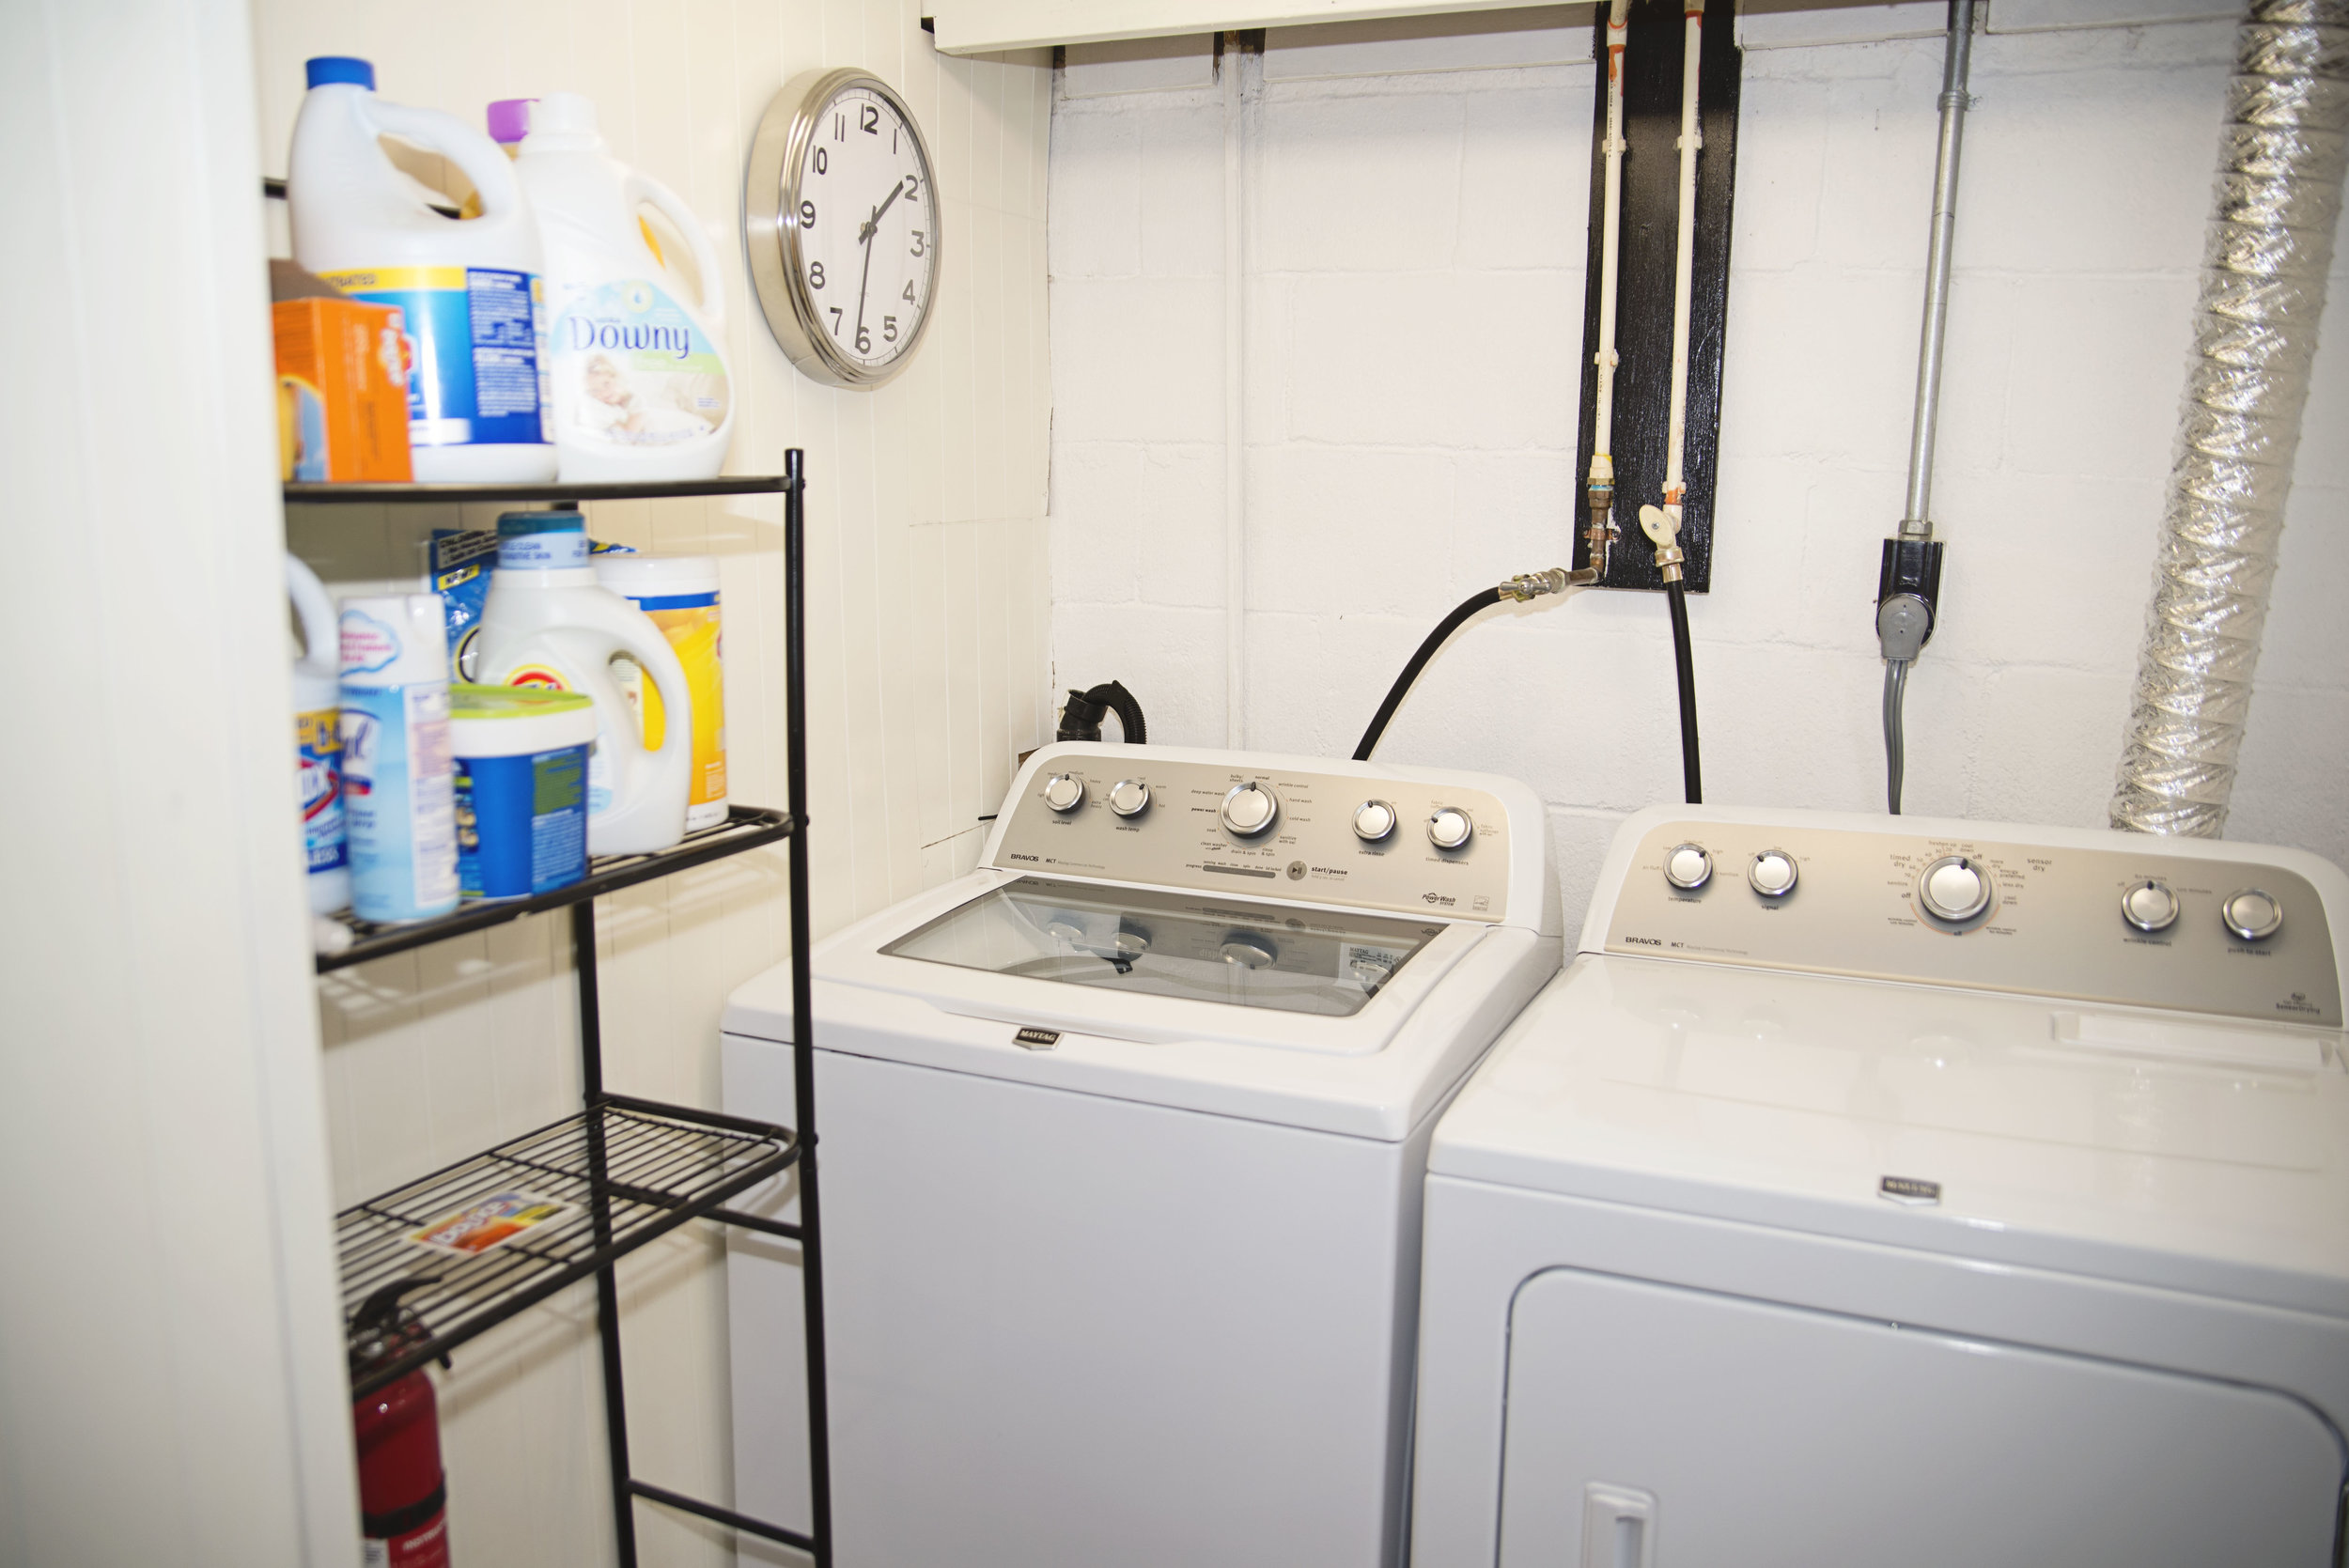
[[171, 1378], [926, 664]]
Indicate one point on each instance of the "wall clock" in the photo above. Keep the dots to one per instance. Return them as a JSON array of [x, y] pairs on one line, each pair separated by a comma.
[[840, 212]]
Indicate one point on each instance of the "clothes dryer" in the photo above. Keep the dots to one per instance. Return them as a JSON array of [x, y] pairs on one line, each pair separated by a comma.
[[1123, 1138], [1878, 1191]]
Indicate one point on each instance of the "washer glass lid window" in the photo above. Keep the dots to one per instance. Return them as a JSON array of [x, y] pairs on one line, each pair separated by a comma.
[[1171, 944]]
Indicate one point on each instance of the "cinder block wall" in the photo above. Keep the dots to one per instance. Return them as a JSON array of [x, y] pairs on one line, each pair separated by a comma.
[[1414, 281]]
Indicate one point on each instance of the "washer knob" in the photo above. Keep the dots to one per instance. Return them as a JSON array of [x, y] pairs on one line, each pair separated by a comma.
[[1449, 828], [1374, 821], [2150, 906], [1064, 792], [1954, 889], [2252, 914], [1772, 874], [1130, 797], [1689, 867], [1250, 809]]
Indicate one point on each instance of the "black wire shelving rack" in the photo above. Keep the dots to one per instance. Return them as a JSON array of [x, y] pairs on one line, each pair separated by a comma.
[[622, 1171]]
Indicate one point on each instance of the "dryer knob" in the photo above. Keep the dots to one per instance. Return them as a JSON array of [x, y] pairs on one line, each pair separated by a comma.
[[1064, 792], [2150, 906], [1250, 809], [1772, 874], [1449, 829], [1954, 888], [1130, 797]]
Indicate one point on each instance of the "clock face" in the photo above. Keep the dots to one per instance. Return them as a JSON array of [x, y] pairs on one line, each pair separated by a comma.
[[850, 229]]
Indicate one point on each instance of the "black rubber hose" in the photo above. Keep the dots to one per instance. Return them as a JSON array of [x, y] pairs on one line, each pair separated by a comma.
[[1691, 775], [1484, 598]]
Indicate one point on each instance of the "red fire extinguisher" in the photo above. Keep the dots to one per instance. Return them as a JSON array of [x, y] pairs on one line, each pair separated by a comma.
[[403, 1496]]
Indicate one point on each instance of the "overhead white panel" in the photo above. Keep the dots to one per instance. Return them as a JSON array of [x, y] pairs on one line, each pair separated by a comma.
[[988, 26]]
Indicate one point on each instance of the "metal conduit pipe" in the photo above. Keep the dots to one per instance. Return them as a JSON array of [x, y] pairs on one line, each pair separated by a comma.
[[2282, 152]]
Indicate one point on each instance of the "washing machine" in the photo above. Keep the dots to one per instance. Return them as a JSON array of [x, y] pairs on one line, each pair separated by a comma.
[[1884, 1190], [1123, 1138]]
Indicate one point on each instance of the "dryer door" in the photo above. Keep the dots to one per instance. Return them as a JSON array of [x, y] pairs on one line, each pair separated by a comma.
[[1651, 1426]]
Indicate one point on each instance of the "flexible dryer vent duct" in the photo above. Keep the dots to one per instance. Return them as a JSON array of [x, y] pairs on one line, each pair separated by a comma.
[[2281, 157]]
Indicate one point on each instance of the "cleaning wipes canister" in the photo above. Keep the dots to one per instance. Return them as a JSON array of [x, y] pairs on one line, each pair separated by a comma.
[[681, 594], [522, 788], [471, 292], [398, 799]]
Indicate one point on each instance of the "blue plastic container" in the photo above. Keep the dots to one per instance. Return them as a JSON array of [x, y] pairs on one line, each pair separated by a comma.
[[522, 788]]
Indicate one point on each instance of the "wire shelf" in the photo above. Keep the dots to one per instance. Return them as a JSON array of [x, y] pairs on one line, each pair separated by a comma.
[[629, 1170], [745, 828], [350, 492]]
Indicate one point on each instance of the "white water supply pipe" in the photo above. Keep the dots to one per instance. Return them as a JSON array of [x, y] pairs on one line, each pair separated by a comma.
[[2282, 153], [1236, 58], [1662, 524], [1601, 482]]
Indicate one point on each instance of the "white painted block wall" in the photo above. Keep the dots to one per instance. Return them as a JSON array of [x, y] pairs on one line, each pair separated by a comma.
[[1414, 289], [928, 618]]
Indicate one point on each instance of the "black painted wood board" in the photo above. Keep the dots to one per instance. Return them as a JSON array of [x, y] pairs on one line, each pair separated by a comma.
[[1643, 318]]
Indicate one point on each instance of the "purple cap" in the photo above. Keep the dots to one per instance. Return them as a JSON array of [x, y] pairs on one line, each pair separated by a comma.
[[510, 119]]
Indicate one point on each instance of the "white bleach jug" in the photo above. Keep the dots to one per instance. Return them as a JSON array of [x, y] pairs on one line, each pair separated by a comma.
[[546, 623], [469, 292]]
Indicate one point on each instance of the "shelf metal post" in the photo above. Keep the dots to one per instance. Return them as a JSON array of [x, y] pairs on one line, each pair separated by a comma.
[[803, 997], [599, 1204]]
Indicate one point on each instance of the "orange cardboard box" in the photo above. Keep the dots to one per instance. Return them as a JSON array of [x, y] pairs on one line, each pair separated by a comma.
[[342, 391]]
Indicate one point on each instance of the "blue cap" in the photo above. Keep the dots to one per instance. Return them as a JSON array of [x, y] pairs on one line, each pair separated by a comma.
[[329, 69]]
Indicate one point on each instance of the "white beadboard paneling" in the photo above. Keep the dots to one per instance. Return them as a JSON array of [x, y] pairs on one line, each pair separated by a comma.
[[923, 683]]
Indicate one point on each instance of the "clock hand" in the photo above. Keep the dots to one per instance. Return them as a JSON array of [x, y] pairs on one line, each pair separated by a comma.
[[865, 238], [873, 223]]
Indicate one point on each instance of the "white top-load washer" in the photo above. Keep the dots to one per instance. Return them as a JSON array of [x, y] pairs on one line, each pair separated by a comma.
[[1887, 1191], [1122, 1138]]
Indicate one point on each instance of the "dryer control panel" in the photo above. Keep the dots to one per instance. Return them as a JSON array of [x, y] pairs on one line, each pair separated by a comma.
[[1267, 831], [2131, 922]]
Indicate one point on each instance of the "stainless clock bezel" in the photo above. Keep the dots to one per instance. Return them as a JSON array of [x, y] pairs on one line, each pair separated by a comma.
[[770, 228]]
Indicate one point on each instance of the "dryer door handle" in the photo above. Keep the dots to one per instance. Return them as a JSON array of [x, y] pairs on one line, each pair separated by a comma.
[[1618, 1526]]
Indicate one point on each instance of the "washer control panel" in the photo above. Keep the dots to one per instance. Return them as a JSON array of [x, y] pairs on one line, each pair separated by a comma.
[[2126, 924], [1373, 844]]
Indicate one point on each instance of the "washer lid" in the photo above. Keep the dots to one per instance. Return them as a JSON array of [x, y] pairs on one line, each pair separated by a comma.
[[2122, 1143], [1145, 942]]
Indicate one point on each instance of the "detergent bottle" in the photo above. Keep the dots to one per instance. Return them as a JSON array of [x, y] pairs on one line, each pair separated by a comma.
[[640, 387], [546, 623], [318, 700], [471, 292]]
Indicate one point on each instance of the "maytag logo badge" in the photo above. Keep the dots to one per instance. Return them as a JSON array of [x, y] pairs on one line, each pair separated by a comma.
[[1909, 1190], [1037, 1039]]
